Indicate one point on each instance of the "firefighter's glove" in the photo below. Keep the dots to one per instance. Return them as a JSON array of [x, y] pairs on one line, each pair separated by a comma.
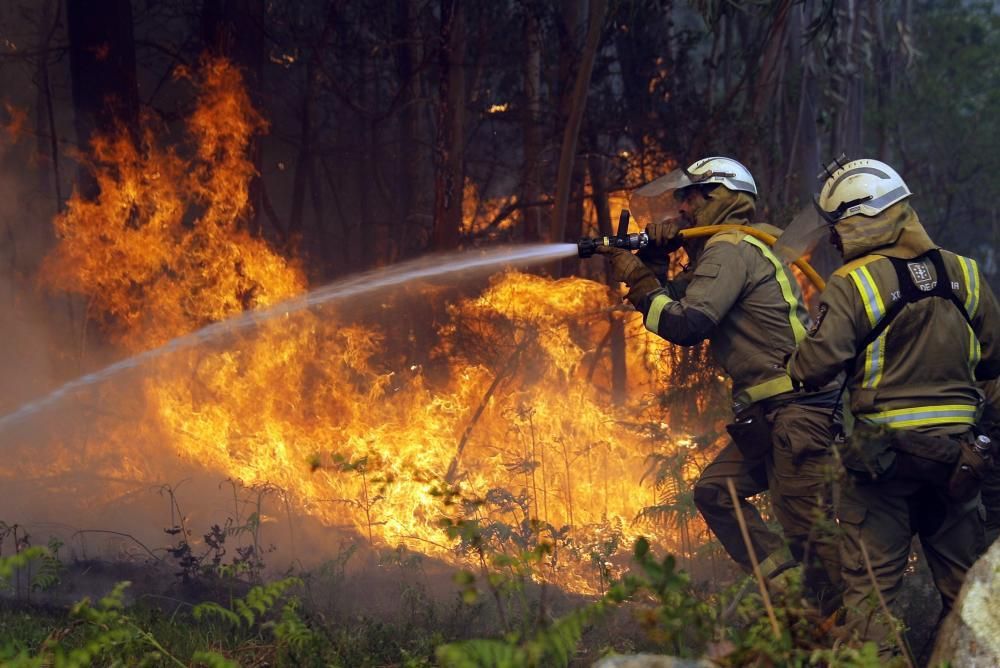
[[665, 235], [630, 270]]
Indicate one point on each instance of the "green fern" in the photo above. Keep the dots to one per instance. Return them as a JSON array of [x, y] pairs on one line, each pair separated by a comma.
[[552, 646], [211, 609], [482, 654], [248, 610], [292, 631], [50, 568]]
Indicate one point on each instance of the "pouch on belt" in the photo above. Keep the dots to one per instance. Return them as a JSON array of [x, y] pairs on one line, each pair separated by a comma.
[[751, 432]]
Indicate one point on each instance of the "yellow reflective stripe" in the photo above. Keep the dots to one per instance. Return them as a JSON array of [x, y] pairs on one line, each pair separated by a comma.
[[918, 416], [975, 351], [875, 361], [970, 271], [875, 308], [765, 390], [656, 307], [798, 329]]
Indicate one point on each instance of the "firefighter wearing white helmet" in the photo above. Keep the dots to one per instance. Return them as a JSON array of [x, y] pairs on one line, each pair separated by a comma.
[[915, 327], [740, 297]]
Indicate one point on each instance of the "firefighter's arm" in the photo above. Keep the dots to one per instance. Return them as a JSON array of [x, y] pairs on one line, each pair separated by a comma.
[[986, 321], [686, 311], [833, 339], [658, 262]]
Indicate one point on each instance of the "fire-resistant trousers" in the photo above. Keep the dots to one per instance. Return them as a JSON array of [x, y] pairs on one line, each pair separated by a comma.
[[884, 516], [799, 471], [991, 499]]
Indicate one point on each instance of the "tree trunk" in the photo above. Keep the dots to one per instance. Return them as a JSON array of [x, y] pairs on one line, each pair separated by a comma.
[[805, 158], [764, 91], [102, 68], [412, 154], [304, 163], [450, 150], [46, 139], [363, 222], [856, 93], [531, 177], [616, 344], [578, 102]]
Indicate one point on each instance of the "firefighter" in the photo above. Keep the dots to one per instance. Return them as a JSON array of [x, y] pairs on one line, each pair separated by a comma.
[[913, 326], [740, 297]]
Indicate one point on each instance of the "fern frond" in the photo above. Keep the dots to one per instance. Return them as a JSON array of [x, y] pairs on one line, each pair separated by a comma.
[[481, 654]]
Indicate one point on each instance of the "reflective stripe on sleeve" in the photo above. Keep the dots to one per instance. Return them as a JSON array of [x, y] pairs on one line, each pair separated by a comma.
[[970, 271], [875, 308], [798, 329], [656, 307], [975, 351], [905, 418], [765, 390]]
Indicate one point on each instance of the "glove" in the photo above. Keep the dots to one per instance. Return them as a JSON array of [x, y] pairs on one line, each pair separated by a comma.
[[665, 234], [630, 270]]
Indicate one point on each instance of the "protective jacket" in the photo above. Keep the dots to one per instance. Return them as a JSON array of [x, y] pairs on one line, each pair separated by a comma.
[[748, 305], [919, 372]]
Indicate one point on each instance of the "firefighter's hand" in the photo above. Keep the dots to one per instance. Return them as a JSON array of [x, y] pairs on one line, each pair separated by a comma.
[[665, 235], [630, 270], [625, 266]]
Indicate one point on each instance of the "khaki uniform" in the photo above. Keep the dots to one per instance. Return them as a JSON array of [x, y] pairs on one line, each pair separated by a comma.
[[917, 378], [990, 423], [741, 298]]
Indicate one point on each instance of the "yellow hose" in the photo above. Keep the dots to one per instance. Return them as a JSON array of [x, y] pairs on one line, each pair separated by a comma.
[[769, 239]]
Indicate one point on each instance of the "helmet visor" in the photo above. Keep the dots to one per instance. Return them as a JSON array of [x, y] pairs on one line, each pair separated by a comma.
[[802, 235], [658, 200]]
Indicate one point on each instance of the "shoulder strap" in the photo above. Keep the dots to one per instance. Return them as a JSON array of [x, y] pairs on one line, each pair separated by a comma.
[[909, 293]]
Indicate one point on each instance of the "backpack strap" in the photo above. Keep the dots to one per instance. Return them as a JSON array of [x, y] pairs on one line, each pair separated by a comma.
[[910, 292]]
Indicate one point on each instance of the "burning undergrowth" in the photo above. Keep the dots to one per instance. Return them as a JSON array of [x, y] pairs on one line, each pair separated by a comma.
[[487, 404]]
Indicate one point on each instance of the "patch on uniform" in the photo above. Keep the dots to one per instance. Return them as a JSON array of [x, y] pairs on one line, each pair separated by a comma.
[[921, 275], [823, 308]]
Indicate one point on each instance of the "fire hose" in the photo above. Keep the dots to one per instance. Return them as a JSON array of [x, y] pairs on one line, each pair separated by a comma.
[[587, 246]]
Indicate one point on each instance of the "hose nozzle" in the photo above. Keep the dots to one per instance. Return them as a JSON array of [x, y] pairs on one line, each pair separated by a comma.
[[587, 246]]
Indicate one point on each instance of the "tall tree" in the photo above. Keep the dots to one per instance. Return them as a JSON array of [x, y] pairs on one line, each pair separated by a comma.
[[450, 145], [531, 123], [102, 67], [412, 153], [577, 105]]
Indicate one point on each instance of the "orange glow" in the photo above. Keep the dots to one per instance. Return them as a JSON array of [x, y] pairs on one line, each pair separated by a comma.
[[512, 399], [16, 124]]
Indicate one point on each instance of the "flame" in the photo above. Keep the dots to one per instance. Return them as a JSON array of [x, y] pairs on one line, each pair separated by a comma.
[[16, 124], [336, 409]]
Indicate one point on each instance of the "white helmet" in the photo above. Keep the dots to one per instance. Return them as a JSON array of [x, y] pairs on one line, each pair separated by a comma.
[[859, 187], [657, 200], [726, 171]]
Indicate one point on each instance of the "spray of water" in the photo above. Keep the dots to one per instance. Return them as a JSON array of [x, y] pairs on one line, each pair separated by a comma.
[[431, 266]]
